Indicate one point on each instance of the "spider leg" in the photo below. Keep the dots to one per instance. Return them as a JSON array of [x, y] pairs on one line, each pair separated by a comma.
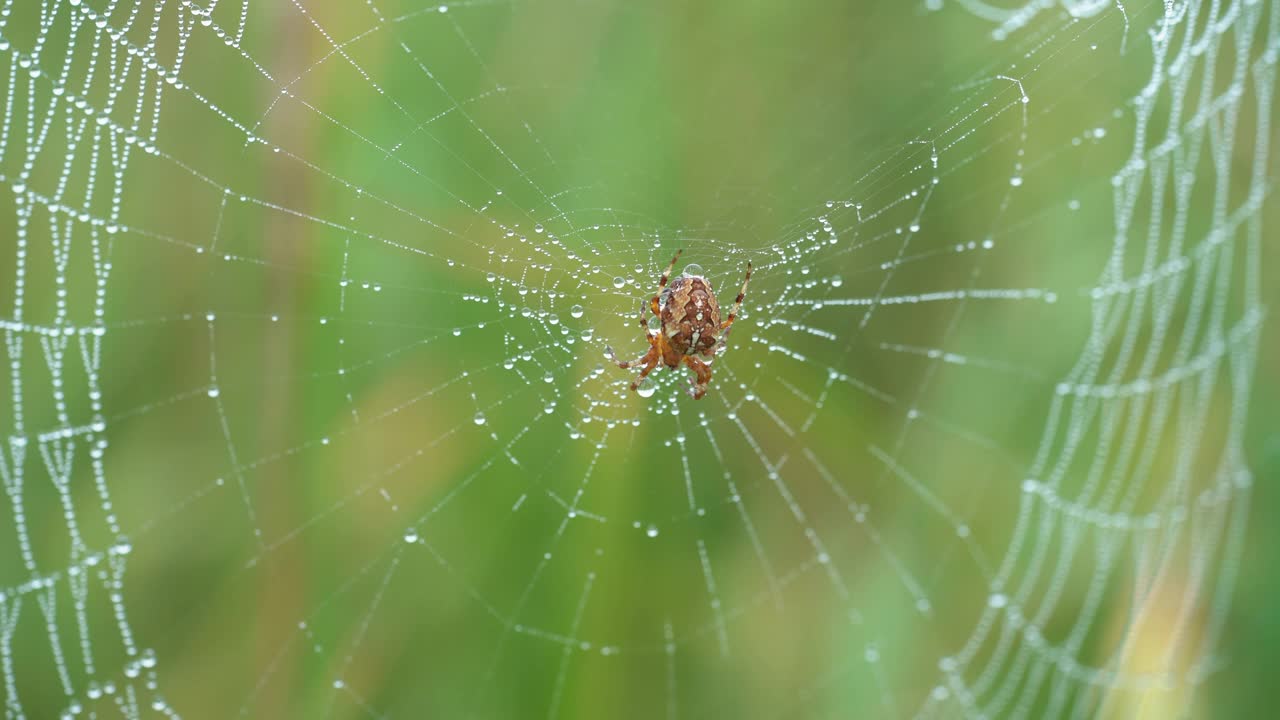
[[737, 304], [651, 354], [703, 372], [644, 325], [643, 319], [653, 304], [651, 363]]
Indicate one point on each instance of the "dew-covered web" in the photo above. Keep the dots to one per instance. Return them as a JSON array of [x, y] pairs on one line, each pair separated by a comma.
[[306, 410]]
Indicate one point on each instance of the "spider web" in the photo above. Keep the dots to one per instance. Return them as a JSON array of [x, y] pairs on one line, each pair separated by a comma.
[[309, 413]]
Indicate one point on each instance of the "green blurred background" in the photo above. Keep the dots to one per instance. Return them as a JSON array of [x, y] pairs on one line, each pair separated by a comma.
[[345, 232]]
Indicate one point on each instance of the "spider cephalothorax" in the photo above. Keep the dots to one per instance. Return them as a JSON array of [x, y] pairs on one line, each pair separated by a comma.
[[691, 330]]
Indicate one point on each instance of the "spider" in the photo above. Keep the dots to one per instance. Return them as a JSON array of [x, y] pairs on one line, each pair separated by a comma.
[[691, 332]]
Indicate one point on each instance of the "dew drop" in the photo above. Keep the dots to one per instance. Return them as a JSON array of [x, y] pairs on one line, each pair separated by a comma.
[[576, 311], [480, 418]]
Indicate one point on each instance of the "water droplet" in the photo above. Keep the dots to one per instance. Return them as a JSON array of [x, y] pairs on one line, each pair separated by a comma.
[[836, 281], [693, 270], [576, 311], [491, 277], [480, 418], [647, 389], [618, 282], [411, 535], [538, 228], [651, 532]]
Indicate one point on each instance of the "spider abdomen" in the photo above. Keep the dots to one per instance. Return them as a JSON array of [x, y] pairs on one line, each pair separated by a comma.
[[691, 316]]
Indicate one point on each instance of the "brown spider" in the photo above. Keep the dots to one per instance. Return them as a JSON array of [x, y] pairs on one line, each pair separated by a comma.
[[691, 329]]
